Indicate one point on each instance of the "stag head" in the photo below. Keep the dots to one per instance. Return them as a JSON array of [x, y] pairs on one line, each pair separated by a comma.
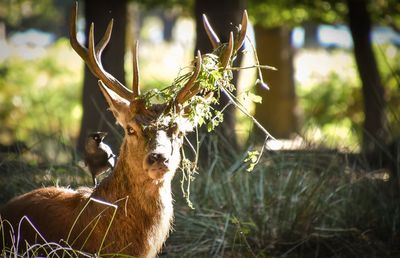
[[153, 133]]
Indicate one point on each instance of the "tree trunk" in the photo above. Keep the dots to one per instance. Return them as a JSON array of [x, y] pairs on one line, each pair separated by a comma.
[[277, 112], [95, 114], [169, 19], [374, 122], [310, 35], [223, 16]]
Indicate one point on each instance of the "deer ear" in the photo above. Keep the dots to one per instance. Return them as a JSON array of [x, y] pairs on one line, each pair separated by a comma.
[[115, 102]]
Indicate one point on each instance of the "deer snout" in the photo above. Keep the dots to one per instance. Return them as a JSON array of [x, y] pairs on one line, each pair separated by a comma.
[[156, 165], [154, 158]]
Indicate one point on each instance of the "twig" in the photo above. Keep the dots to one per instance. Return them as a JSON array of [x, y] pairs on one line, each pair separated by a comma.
[[268, 67]]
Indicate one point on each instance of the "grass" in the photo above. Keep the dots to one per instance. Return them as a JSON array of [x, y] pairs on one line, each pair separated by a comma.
[[18, 176], [47, 249], [298, 204], [48, 162], [44, 248], [291, 205]]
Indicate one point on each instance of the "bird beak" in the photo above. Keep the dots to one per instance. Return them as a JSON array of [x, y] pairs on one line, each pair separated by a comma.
[[102, 135]]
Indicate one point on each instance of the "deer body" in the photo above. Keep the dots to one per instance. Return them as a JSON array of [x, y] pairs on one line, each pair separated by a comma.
[[140, 226], [141, 223], [130, 211], [140, 189]]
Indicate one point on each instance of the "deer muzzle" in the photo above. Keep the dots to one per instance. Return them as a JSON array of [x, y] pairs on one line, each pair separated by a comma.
[[160, 158]]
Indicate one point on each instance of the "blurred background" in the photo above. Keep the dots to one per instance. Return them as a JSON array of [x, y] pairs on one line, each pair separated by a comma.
[[329, 73], [337, 87]]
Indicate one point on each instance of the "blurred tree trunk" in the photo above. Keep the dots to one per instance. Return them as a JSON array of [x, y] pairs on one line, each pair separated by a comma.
[[223, 16], [310, 34], [374, 134], [169, 19], [96, 117], [277, 112]]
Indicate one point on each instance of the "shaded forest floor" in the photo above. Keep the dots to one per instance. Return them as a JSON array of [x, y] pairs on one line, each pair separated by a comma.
[[293, 204]]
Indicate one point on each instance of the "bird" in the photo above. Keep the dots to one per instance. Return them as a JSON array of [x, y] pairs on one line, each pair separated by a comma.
[[99, 157]]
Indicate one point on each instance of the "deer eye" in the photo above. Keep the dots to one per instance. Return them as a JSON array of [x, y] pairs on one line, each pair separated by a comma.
[[130, 130], [173, 130]]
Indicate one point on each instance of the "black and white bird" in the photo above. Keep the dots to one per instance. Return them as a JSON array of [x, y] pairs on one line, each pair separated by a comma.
[[98, 155]]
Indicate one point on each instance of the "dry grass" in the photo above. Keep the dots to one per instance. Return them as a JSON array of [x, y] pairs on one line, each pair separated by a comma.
[[291, 205]]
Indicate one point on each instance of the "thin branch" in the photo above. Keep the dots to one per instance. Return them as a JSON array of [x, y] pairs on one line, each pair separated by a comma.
[[258, 66], [244, 111]]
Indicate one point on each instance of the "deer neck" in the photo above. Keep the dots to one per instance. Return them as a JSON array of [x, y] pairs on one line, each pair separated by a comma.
[[129, 181], [140, 199]]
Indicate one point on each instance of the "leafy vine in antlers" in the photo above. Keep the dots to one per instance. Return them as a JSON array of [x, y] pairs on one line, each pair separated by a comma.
[[214, 79]]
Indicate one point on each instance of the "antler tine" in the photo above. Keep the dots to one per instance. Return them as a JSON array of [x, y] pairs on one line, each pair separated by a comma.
[[215, 42], [78, 47], [135, 80], [92, 56], [103, 89], [242, 33], [104, 40], [227, 54], [108, 79], [186, 92]]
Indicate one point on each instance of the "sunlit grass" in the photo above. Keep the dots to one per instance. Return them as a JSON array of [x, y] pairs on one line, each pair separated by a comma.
[[310, 204], [313, 204], [13, 246]]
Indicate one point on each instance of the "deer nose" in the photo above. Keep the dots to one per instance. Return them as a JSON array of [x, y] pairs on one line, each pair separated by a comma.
[[153, 158]]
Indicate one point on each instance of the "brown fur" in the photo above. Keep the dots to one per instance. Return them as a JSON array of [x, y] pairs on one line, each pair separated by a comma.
[[144, 214], [139, 186]]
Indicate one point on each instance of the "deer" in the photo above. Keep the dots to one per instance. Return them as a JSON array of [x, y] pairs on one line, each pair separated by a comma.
[[131, 210]]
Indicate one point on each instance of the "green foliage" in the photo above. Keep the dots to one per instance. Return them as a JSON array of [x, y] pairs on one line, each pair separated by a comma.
[[386, 12], [198, 109], [292, 13], [387, 58], [276, 13], [332, 102], [43, 91], [43, 14], [252, 159], [151, 4], [333, 105]]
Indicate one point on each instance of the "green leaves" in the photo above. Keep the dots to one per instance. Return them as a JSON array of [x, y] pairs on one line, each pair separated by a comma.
[[215, 121], [252, 158], [252, 97]]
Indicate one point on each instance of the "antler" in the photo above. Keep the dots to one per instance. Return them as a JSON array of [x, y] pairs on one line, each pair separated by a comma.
[[242, 31], [233, 45], [135, 80], [191, 88], [92, 58], [226, 55], [215, 42]]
